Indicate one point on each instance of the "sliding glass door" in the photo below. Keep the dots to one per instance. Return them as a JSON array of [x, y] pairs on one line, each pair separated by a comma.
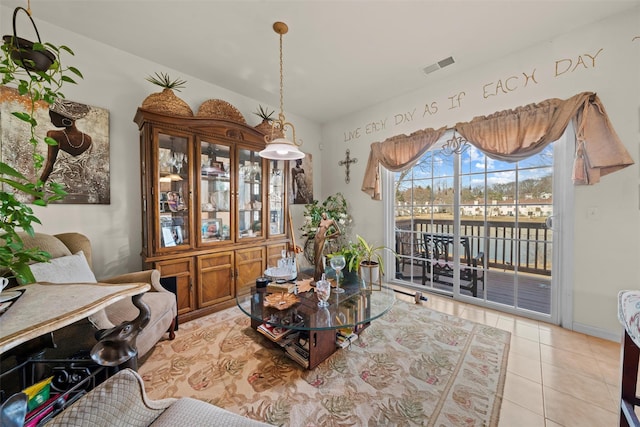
[[476, 228]]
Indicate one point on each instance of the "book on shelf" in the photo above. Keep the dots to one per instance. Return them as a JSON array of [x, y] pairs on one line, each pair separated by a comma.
[[298, 349], [343, 340], [274, 333], [294, 355]]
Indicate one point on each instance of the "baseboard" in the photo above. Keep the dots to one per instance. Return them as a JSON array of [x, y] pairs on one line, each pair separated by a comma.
[[597, 332]]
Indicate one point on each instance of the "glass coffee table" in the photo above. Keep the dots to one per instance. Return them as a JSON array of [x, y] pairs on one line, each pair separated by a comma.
[[310, 334]]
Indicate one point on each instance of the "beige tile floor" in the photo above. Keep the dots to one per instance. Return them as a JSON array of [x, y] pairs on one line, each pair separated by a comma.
[[555, 377]]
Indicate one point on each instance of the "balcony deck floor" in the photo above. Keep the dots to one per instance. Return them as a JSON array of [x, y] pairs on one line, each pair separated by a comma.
[[534, 291]]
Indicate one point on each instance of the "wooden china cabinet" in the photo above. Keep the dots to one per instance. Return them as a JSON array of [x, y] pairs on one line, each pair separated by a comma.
[[213, 210]]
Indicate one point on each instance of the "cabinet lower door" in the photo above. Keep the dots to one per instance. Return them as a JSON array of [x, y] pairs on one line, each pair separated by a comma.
[[182, 270], [250, 264], [215, 281]]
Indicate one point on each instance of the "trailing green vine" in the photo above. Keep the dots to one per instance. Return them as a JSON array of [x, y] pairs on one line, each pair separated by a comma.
[[36, 86]]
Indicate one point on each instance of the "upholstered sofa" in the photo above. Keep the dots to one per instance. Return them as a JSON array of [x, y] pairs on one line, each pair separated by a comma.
[[67, 265], [122, 401]]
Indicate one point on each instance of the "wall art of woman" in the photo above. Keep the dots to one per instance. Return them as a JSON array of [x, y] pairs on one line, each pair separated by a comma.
[[70, 139]]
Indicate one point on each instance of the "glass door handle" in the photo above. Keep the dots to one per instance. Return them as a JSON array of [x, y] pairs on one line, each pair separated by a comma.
[[549, 222]]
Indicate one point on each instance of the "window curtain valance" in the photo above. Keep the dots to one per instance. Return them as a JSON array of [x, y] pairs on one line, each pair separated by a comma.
[[513, 135], [397, 153]]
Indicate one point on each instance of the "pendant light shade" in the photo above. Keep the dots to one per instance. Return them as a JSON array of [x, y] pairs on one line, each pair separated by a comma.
[[281, 148]]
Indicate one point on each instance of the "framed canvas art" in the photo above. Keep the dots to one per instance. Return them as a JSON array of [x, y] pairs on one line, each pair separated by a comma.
[[80, 160]]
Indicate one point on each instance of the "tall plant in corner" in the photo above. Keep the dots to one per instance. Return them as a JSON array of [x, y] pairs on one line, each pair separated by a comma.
[[20, 68]]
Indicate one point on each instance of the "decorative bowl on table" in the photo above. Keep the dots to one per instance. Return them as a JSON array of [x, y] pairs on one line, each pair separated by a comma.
[[281, 300], [280, 273]]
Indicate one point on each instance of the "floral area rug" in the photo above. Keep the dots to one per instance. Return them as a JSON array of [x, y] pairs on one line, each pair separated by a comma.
[[411, 367]]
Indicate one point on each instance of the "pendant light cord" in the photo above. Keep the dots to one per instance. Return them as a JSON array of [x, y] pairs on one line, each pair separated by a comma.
[[281, 115]]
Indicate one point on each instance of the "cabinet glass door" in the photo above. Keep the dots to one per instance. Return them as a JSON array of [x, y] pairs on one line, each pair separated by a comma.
[[173, 190], [215, 192], [249, 194], [276, 197]]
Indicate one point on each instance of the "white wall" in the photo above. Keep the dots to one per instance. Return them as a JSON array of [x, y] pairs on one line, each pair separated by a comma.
[[115, 80], [607, 248]]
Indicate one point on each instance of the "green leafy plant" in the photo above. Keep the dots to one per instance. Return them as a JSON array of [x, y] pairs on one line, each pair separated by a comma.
[[163, 80], [37, 86], [371, 254], [16, 215], [352, 254]]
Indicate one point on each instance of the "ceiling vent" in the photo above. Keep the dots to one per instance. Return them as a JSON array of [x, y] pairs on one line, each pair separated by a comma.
[[440, 64]]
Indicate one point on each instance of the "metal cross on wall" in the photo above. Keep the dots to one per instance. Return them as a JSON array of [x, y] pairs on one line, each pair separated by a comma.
[[347, 162]]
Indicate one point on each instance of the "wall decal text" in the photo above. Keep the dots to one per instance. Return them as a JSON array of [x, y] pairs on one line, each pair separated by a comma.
[[502, 85]]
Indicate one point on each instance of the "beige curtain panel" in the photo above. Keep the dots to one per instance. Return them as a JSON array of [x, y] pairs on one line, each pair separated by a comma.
[[397, 153], [513, 135]]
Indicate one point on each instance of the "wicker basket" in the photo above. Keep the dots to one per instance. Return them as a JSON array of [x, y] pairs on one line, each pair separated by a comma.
[[167, 102], [264, 127], [219, 109]]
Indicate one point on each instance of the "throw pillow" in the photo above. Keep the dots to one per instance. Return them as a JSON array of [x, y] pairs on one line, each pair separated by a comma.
[[67, 269], [71, 269]]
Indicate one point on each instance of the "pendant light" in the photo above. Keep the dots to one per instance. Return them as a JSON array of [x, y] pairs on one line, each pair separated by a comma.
[[281, 148]]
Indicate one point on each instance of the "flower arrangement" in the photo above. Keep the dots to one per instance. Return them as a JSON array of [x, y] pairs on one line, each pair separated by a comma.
[[336, 208]]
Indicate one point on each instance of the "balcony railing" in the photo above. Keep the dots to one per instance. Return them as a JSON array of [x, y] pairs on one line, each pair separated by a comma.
[[498, 240]]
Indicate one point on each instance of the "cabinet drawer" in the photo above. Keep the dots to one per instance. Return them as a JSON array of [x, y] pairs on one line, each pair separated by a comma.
[[216, 260], [174, 268]]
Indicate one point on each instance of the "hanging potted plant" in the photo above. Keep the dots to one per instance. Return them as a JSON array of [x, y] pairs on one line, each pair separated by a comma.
[[31, 56], [34, 83]]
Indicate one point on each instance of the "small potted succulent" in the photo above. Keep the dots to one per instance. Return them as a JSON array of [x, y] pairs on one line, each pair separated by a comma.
[[167, 101], [266, 125]]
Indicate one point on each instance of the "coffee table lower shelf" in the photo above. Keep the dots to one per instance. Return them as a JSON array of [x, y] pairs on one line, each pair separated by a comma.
[[317, 345]]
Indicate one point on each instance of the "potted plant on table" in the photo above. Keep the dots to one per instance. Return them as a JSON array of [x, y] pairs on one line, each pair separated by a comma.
[[371, 260], [36, 84]]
